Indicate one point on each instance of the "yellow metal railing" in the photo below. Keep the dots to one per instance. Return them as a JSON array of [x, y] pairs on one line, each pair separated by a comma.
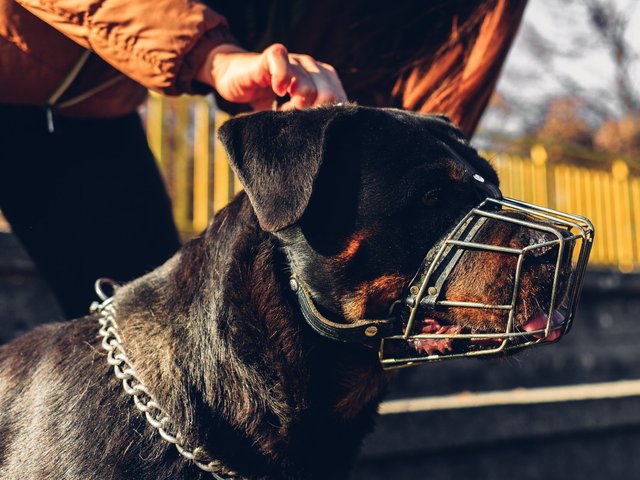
[[182, 135]]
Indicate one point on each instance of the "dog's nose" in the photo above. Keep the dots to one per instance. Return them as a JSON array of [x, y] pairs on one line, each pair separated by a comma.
[[548, 241], [530, 239], [543, 239]]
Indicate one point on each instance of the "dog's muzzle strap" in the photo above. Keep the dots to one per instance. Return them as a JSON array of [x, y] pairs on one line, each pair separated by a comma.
[[367, 332]]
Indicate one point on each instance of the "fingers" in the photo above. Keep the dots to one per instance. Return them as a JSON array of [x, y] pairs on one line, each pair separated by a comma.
[[308, 82], [322, 84], [334, 85], [277, 63], [304, 87], [244, 77]]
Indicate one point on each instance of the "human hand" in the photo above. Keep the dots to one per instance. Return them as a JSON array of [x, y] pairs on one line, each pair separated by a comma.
[[255, 78]]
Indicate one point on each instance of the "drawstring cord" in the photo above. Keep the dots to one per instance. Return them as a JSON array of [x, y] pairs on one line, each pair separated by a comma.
[[64, 85]]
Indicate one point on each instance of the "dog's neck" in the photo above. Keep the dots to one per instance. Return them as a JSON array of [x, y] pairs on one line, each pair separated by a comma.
[[217, 335]]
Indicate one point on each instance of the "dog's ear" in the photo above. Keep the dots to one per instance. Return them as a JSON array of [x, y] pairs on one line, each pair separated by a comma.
[[277, 157]]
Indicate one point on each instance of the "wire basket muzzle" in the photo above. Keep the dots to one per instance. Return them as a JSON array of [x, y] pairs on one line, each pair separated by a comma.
[[563, 240]]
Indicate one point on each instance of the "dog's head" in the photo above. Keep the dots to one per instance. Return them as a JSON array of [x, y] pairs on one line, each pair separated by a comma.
[[358, 196]]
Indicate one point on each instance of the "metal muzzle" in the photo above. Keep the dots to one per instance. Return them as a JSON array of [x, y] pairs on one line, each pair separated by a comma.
[[565, 237]]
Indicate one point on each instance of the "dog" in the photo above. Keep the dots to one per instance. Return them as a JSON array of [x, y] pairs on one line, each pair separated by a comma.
[[349, 199]]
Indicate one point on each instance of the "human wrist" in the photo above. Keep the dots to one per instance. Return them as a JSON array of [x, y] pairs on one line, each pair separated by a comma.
[[216, 61]]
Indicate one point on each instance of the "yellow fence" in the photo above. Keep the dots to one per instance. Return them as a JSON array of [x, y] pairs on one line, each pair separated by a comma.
[[182, 135]]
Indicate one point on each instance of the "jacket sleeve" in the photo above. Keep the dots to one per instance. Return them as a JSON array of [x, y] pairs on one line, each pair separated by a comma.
[[158, 43]]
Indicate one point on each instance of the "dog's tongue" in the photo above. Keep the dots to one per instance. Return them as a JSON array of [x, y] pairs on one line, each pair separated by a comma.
[[432, 346], [539, 322]]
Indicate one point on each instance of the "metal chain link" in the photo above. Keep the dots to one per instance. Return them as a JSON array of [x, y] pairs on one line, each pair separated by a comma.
[[143, 399]]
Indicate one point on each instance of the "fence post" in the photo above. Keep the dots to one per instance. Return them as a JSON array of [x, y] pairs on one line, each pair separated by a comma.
[[181, 160], [201, 171], [540, 180], [221, 170], [622, 213], [634, 200], [155, 120]]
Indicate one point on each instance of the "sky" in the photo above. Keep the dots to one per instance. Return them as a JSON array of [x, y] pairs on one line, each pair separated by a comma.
[[555, 52]]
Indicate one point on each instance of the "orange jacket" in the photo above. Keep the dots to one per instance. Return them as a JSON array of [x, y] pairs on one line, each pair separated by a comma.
[[136, 45]]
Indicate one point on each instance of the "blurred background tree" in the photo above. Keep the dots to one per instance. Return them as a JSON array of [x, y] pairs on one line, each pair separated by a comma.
[[571, 83]]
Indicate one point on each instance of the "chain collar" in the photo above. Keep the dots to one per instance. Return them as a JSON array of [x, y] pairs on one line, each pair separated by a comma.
[[143, 399]]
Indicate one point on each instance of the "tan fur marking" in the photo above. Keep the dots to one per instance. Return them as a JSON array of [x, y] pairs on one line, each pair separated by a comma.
[[373, 299], [352, 247]]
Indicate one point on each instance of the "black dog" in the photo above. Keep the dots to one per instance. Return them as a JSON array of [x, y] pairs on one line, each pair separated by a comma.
[[349, 197]]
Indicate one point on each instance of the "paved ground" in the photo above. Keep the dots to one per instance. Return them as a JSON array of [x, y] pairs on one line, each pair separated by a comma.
[[557, 433]]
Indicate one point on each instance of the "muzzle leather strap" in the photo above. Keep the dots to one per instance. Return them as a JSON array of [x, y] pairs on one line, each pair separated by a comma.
[[366, 332], [449, 261], [446, 265]]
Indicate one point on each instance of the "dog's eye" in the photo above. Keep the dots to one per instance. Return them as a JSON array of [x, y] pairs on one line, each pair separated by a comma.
[[431, 198]]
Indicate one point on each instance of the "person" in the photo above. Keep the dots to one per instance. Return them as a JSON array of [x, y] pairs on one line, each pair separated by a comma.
[[78, 183]]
